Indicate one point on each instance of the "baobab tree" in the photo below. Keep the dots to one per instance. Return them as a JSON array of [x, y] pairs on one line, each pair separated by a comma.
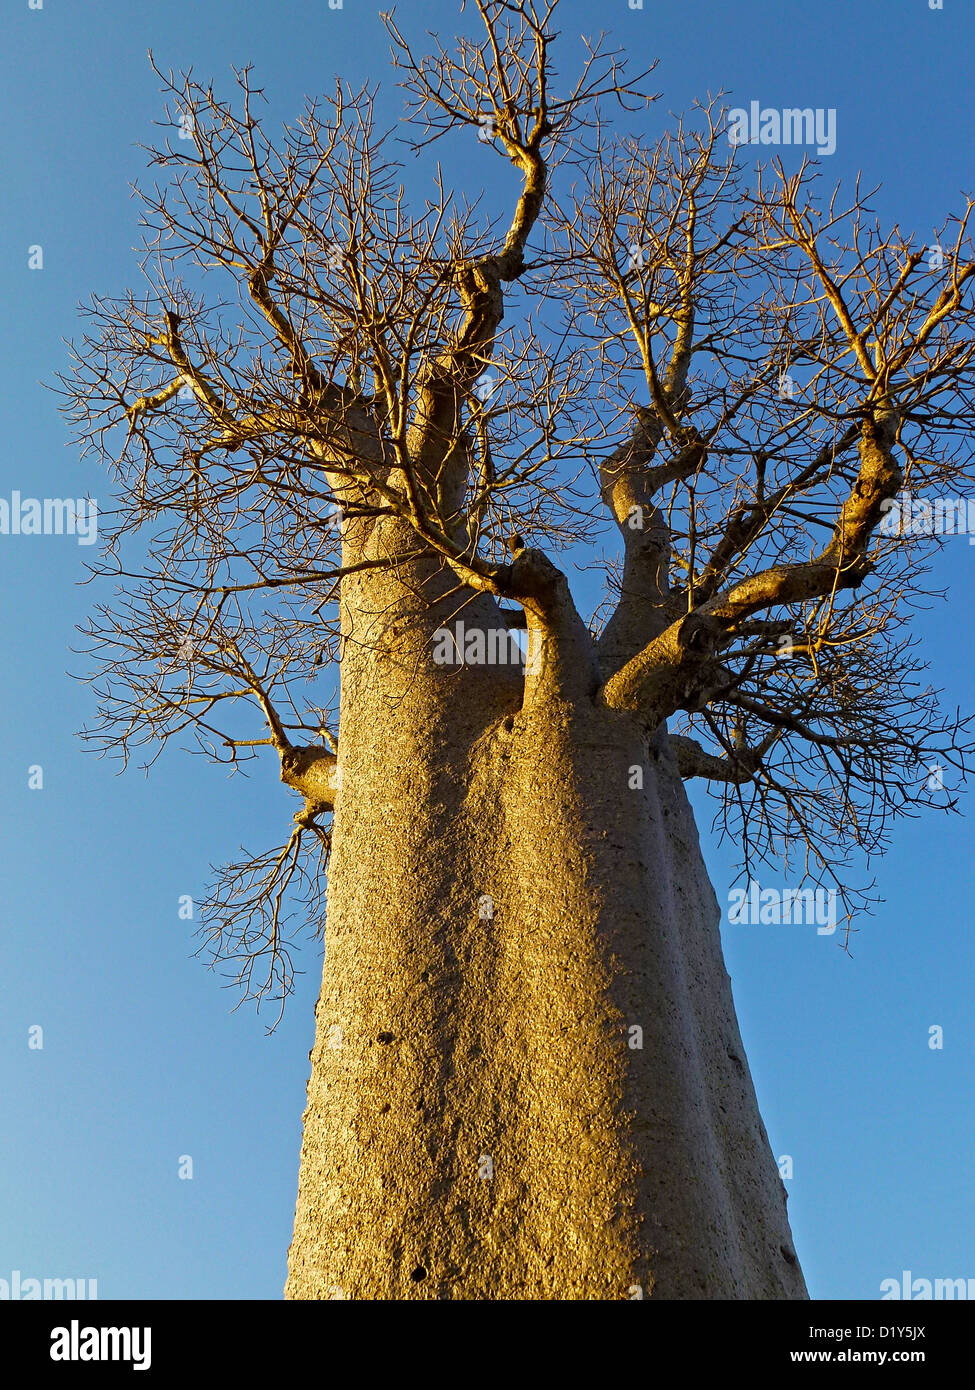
[[354, 438]]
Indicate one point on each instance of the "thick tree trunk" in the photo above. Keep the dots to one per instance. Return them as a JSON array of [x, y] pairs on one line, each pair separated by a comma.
[[528, 1079]]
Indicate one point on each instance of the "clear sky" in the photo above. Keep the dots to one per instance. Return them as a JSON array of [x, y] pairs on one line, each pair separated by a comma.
[[142, 1060]]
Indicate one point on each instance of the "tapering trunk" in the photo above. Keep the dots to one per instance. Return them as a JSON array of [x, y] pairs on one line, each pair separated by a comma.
[[528, 1079]]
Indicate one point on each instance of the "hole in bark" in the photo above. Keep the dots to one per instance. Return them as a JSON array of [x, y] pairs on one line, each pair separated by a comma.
[[508, 723], [385, 1109], [386, 1037], [787, 1255], [419, 1274]]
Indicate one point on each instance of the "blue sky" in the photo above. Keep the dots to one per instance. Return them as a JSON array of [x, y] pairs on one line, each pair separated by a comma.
[[142, 1059]]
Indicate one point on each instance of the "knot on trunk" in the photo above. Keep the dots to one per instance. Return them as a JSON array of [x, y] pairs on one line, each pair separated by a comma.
[[314, 772]]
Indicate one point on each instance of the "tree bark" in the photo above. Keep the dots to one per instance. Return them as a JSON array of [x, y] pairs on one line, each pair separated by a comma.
[[528, 1080]]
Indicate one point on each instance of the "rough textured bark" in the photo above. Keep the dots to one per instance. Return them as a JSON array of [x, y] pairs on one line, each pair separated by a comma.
[[505, 908]]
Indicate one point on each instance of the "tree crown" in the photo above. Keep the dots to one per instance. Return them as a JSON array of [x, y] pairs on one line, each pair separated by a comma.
[[737, 376]]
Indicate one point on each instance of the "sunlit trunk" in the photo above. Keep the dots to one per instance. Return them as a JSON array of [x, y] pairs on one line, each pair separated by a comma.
[[528, 1079]]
